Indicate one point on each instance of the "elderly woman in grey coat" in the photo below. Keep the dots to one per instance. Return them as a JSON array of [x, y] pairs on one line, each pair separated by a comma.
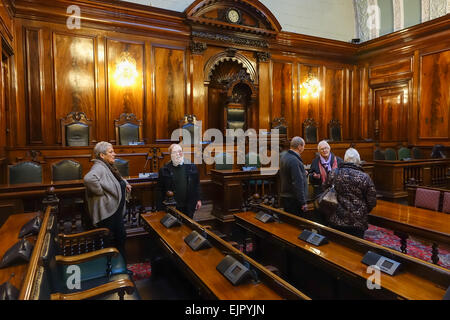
[[106, 193], [356, 195]]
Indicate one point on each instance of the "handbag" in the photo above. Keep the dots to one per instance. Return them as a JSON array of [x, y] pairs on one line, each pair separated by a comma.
[[327, 201]]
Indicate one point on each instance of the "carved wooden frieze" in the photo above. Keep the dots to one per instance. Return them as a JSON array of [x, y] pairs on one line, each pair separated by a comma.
[[230, 39], [197, 47], [263, 56]]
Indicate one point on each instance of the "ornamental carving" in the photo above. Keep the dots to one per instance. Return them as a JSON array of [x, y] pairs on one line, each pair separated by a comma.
[[198, 47], [263, 56], [230, 39]]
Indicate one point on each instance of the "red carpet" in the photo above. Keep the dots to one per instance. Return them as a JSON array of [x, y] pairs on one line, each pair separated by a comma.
[[386, 238], [141, 270]]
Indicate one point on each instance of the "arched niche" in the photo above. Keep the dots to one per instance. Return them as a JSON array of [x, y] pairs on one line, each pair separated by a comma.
[[230, 82]]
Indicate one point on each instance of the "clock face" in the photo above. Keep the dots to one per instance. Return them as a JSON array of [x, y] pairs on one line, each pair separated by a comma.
[[233, 16]]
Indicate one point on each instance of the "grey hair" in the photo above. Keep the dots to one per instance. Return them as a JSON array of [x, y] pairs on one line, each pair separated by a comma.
[[323, 142], [173, 146], [352, 156], [297, 141], [101, 147]]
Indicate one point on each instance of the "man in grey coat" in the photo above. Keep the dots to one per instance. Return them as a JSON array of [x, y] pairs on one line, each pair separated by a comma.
[[294, 183]]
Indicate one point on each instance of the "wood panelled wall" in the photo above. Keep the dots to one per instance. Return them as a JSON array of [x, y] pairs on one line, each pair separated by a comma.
[[67, 71], [391, 89]]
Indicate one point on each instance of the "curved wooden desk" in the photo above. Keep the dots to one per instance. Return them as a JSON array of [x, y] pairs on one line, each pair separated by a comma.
[[201, 265], [418, 280]]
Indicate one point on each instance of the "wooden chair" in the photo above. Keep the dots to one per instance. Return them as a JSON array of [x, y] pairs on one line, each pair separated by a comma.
[[417, 153], [334, 130], [189, 123], [404, 153], [235, 116], [76, 130], [378, 154], [25, 172], [428, 199], [446, 202], [390, 154], [128, 129], [123, 167], [66, 170], [280, 124], [310, 131], [223, 161]]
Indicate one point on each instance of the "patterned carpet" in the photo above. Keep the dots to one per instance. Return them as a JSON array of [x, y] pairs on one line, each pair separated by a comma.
[[140, 270], [415, 248]]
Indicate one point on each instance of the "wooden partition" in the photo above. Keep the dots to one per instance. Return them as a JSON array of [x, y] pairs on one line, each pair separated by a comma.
[[391, 177]]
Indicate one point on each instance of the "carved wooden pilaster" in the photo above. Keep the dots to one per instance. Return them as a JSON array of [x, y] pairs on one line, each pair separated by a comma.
[[263, 56], [198, 47]]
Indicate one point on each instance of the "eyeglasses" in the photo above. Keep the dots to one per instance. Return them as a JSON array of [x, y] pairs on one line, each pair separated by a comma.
[[177, 152]]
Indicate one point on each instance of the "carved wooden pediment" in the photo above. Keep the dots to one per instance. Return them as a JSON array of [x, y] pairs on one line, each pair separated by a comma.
[[246, 16]]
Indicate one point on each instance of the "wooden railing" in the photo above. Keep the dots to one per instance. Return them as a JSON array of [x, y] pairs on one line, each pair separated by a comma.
[[391, 177]]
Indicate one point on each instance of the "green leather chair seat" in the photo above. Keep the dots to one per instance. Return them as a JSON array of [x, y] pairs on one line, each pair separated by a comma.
[[335, 134], [236, 125], [252, 160], [390, 154], [223, 161], [128, 132], [77, 134], [66, 170], [378, 154], [417, 153], [122, 166], [25, 172], [96, 268], [404, 153], [311, 134]]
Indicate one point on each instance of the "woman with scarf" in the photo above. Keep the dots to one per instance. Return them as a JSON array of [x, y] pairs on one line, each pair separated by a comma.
[[321, 166], [106, 193]]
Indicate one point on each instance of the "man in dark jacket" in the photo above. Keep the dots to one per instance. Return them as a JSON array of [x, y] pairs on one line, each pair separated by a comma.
[[183, 179], [294, 184]]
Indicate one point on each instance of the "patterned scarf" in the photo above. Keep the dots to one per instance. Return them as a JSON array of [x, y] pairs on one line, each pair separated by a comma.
[[113, 169], [326, 164]]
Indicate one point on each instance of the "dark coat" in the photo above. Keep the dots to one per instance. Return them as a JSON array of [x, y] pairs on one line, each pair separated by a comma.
[[166, 183], [356, 196], [294, 183], [315, 168]]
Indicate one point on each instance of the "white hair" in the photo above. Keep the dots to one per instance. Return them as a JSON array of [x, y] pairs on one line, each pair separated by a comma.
[[323, 142], [101, 148], [351, 155], [297, 141]]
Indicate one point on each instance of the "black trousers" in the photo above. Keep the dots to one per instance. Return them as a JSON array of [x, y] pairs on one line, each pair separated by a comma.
[[117, 230], [294, 207]]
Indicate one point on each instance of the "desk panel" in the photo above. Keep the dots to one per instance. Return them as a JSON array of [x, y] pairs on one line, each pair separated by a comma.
[[203, 264], [404, 285]]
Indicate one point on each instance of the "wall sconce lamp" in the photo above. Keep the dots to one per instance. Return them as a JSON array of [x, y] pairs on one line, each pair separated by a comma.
[[125, 76], [311, 87], [126, 73]]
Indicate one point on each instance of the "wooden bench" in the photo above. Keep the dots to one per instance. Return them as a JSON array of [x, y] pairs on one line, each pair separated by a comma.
[[200, 266], [336, 267]]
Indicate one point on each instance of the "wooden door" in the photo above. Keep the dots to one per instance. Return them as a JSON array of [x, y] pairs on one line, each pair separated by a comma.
[[391, 113]]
